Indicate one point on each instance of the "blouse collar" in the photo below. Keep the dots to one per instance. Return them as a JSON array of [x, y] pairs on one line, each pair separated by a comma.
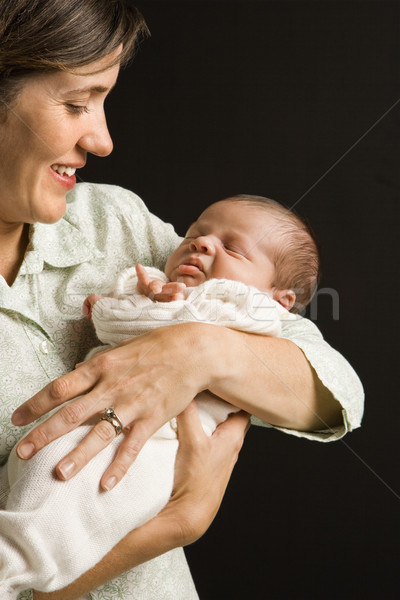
[[59, 244]]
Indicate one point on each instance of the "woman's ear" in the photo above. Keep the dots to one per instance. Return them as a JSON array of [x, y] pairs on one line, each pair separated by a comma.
[[285, 297]]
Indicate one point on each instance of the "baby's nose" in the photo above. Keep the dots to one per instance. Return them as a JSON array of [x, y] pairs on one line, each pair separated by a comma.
[[204, 244]]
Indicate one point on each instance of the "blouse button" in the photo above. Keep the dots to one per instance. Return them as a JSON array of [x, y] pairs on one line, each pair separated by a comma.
[[43, 347]]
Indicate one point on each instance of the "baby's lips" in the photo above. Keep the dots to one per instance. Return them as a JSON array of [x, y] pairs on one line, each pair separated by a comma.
[[188, 269]]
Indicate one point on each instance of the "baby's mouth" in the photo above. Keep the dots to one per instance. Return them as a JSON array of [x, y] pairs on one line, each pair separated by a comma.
[[194, 262], [189, 269]]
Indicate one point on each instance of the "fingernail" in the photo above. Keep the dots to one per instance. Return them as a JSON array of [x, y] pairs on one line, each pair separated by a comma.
[[66, 468], [18, 418], [110, 483], [25, 450]]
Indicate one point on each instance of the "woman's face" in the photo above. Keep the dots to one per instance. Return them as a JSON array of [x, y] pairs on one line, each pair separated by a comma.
[[58, 118]]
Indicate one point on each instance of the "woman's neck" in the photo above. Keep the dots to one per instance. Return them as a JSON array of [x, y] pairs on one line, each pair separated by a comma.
[[13, 243]]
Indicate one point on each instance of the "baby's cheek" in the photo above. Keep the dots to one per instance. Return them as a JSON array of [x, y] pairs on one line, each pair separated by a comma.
[[171, 266], [168, 270]]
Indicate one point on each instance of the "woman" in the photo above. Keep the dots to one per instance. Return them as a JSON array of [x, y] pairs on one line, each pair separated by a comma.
[[58, 61]]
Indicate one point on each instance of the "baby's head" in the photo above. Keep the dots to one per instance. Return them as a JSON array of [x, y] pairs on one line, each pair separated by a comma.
[[254, 240]]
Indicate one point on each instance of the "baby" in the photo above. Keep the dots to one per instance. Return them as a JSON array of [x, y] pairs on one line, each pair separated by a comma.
[[245, 263]]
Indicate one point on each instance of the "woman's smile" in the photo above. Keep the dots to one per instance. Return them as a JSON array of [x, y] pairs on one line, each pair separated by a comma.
[[65, 175]]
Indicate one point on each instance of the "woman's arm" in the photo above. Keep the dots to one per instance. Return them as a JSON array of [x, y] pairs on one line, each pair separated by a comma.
[[272, 379], [202, 471], [152, 378]]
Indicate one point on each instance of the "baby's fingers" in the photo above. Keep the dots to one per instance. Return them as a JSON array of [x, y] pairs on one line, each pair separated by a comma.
[[170, 292], [143, 277], [146, 286]]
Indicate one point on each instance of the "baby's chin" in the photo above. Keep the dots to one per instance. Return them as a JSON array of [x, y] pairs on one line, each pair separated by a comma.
[[191, 280]]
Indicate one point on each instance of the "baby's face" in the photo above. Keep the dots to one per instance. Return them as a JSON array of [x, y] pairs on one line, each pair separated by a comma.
[[229, 240]]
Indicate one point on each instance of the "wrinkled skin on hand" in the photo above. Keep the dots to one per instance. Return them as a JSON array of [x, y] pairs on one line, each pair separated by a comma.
[[148, 380]]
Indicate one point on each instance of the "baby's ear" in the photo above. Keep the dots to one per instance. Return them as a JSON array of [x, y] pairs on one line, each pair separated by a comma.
[[285, 297]]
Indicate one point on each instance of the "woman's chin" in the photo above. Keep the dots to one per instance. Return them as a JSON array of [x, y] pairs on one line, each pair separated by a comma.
[[53, 213]]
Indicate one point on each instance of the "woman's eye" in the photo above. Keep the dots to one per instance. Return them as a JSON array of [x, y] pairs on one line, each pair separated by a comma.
[[75, 109]]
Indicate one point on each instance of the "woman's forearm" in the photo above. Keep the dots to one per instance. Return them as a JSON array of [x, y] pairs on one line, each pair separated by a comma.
[[272, 379]]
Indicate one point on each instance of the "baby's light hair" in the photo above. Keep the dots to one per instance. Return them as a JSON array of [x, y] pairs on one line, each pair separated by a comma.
[[296, 255]]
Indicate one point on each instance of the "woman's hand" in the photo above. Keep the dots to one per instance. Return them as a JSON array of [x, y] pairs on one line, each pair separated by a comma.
[[148, 380], [202, 471]]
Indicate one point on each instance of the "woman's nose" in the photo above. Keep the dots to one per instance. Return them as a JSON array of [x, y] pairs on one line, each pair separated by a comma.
[[97, 139], [203, 244]]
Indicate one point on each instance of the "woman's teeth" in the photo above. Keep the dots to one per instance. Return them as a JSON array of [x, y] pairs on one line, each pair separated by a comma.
[[63, 170]]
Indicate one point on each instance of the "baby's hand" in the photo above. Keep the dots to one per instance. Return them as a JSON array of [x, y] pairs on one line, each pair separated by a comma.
[[146, 286], [89, 303], [171, 291], [156, 289]]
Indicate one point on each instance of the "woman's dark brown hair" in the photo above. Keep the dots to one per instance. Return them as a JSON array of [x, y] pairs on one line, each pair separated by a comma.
[[39, 36]]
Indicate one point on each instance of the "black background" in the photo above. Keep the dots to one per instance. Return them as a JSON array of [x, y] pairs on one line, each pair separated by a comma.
[[293, 100]]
